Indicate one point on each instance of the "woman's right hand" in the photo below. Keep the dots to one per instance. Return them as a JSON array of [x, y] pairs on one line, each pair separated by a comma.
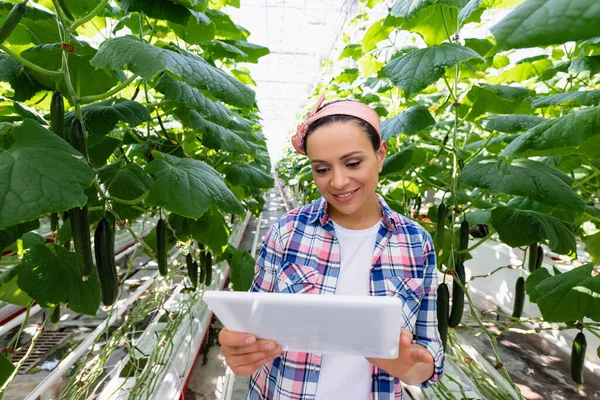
[[244, 353]]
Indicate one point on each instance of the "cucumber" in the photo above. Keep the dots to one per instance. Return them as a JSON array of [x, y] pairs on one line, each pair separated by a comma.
[[54, 222], [57, 114], [192, 268], [12, 20], [458, 297], [208, 266], [55, 317], [519, 297], [463, 243], [578, 358], [540, 257], [104, 250], [441, 219], [161, 246], [80, 229], [79, 138], [533, 253], [443, 306]]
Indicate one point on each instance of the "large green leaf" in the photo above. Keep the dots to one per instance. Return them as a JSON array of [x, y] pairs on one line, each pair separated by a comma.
[[50, 275], [583, 98], [215, 136], [523, 227], [528, 178], [100, 148], [521, 72], [501, 99], [417, 70], [575, 133], [10, 292], [242, 270], [217, 49], [23, 85], [127, 182], [87, 79], [523, 203], [242, 174], [10, 235], [197, 5], [101, 118], [400, 161], [545, 22], [181, 92], [469, 11], [570, 296], [408, 9], [511, 123], [428, 22], [226, 28], [147, 61], [188, 187], [592, 246], [380, 30], [210, 229], [39, 174], [408, 122], [36, 26], [163, 9]]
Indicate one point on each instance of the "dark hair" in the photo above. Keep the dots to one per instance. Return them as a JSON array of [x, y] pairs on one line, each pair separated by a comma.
[[330, 119]]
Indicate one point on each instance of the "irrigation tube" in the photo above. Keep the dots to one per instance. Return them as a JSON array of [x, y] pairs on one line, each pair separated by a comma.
[[84, 347]]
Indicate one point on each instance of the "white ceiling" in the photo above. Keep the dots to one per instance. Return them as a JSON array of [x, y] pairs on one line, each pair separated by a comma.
[[299, 34]]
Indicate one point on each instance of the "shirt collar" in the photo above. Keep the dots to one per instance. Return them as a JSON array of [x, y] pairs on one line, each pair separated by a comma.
[[319, 213]]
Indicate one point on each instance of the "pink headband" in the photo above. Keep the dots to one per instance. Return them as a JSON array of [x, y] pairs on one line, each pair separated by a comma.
[[352, 108]]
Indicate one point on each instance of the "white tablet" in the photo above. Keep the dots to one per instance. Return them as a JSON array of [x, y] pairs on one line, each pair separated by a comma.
[[367, 326]]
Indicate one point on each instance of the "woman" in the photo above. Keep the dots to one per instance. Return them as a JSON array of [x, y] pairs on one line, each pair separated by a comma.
[[347, 242]]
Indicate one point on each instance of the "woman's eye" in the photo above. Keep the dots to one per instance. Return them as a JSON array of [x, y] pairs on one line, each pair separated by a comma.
[[321, 170], [353, 165]]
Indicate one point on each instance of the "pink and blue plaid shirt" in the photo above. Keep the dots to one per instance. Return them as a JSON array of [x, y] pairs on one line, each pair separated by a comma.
[[301, 254]]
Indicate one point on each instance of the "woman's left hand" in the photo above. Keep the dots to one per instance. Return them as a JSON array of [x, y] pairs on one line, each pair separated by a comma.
[[409, 356]]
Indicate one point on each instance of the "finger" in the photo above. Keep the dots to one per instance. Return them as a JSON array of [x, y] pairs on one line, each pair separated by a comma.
[[245, 359], [235, 339], [405, 339], [261, 345], [248, 370], [245, 368]]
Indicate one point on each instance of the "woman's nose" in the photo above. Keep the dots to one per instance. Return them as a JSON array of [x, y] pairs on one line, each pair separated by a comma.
[[338, 180]]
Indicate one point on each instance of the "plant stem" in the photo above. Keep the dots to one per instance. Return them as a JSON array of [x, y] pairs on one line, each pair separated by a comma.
[[29, 64], [15, 340], [110, 93], [90, 16], [492, 231], [490, 273]]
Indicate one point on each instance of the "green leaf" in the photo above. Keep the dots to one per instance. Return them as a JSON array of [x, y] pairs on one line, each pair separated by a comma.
[[101, 118], [353, 51], [23, 84], [10, 235], [521, 72], [523, 227], [583, 98], [575, 133], [592, 246], [242, 174], [573, 295], [252, 51], [483, 217], [31, 239], [242, 270], [127, 182], [226, 28], [162, 9], [409, 122], [210, 229], [82, 7], [499, 99], [546, 22], [36, 26], [376, 33], [197, 5], [188, 187], [217, 49], [481, 46], [398, 162], [528, 178], [523, 203], [431, 26], [40, 174], [50, 275], [533, 280], [10, 292], [410, 8], [183, 93], [511, 123], [100, 148], [147, 61], [215, 136], [415, 71], [6, 369], [87, 79], [467, 11]]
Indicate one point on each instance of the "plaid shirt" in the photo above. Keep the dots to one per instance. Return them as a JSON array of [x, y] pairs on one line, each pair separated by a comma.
[[301, 254]]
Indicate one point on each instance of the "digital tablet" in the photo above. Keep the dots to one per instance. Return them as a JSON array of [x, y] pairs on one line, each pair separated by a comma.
[[367, 326]]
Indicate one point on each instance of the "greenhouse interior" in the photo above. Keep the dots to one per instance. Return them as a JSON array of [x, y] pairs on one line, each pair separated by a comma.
[[180, 178]]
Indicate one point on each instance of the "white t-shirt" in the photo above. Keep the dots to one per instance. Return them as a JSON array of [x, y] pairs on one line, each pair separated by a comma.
[[345, 377]]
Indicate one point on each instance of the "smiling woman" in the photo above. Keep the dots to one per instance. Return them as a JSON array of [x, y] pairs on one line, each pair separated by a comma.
[[350, 243]]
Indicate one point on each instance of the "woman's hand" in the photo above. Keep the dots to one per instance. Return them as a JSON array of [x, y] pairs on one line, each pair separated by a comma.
[[244, 353], [414, 364]]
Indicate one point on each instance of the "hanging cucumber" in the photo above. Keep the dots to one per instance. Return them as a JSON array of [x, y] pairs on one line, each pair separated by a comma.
[[540, 257], [533, 252], [54, 222], [578, 358], [104, 250], [443, 306], [208, 267], [458, 296], [57, 114], [55, 317], [519, 298], [12, 20], [192, 267], [463, 243], [202, 276], [161, 246], [79, 137], [80, 229], [441, 219]]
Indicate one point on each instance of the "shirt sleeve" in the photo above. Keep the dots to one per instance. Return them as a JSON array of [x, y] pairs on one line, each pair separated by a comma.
[[426, 332], [268, 262]]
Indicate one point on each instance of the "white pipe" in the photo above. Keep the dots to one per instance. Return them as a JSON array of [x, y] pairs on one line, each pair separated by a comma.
[[256, 235], [18, 320]]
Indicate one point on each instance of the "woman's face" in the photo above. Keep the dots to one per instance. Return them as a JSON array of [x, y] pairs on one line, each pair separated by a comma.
[[346, 169]]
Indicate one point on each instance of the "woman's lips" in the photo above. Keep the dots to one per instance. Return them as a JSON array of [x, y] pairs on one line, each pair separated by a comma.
[[345, 197]]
